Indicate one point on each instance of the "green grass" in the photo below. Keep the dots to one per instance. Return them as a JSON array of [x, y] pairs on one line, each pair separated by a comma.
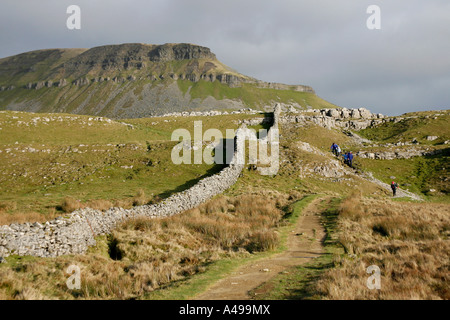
[[250, 94], [33, 66], [292, 217], [39, 181], [417, 174], [405, 130]]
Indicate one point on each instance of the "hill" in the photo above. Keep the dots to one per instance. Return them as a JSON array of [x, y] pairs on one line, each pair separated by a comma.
[[57, 163], [137, 80]]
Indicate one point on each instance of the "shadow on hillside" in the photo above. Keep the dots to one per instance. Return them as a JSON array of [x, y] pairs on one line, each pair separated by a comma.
[[227, 147], [212, 171], [222, 158], [266, 125]]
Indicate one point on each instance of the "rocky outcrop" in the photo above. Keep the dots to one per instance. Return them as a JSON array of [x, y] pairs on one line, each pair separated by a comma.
[[281, 86], [182, 51], [62, 83], [397, 154], [346, 119], [216, 113], [81, 82], [133, 55]]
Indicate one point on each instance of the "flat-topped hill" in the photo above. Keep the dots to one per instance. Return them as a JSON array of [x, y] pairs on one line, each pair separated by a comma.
[[137, 80]]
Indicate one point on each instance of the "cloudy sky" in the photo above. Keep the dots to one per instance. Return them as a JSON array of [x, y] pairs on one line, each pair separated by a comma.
[[403, 67]]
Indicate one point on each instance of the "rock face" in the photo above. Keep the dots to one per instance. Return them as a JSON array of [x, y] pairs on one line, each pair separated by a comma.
[[75, 233], [39, 85], [281, 86], [134, 55]]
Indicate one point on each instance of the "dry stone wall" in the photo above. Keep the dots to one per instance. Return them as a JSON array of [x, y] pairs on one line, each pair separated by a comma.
[[74, 233]]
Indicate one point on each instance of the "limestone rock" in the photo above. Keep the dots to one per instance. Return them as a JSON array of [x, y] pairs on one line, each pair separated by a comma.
[[355, 114], [40, 85], [345, 113], [333, 113], [62, 83], [364, 113]]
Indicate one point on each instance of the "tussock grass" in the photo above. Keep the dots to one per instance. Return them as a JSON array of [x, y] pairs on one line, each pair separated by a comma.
[[70, 204], [146, 255], [7, 205], [407, 241], [140, 198], [9, 214]]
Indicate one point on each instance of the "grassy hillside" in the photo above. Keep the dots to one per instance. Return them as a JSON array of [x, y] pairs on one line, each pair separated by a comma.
[[144, 256], [54, 163], [33, 66], [251, 95], [152, 97], [408, 242], [422, 175], [417, 125], [426, 175], [49, 157]]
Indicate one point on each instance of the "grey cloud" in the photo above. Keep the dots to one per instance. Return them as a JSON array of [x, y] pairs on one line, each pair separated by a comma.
[[323, 43]]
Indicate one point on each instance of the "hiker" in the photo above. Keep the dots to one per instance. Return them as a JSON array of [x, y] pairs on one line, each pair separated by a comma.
[[350, 159], [338, 151], [334, 148], [394, 187], [346, 158]]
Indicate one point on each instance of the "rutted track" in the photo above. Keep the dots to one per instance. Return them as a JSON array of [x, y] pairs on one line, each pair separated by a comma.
[[303, 245]]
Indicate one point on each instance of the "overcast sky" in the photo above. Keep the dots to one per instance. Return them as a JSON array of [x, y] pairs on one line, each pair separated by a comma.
[[403, 67]]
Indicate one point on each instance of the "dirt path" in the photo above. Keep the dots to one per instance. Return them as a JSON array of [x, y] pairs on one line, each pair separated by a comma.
[[303, 245]]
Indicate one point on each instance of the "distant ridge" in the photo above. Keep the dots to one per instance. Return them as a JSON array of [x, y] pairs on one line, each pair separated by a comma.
[[136, 80]]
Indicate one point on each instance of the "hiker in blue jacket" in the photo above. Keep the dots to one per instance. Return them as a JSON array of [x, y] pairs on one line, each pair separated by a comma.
[[346, 158], [350, 159], [334, 147]]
